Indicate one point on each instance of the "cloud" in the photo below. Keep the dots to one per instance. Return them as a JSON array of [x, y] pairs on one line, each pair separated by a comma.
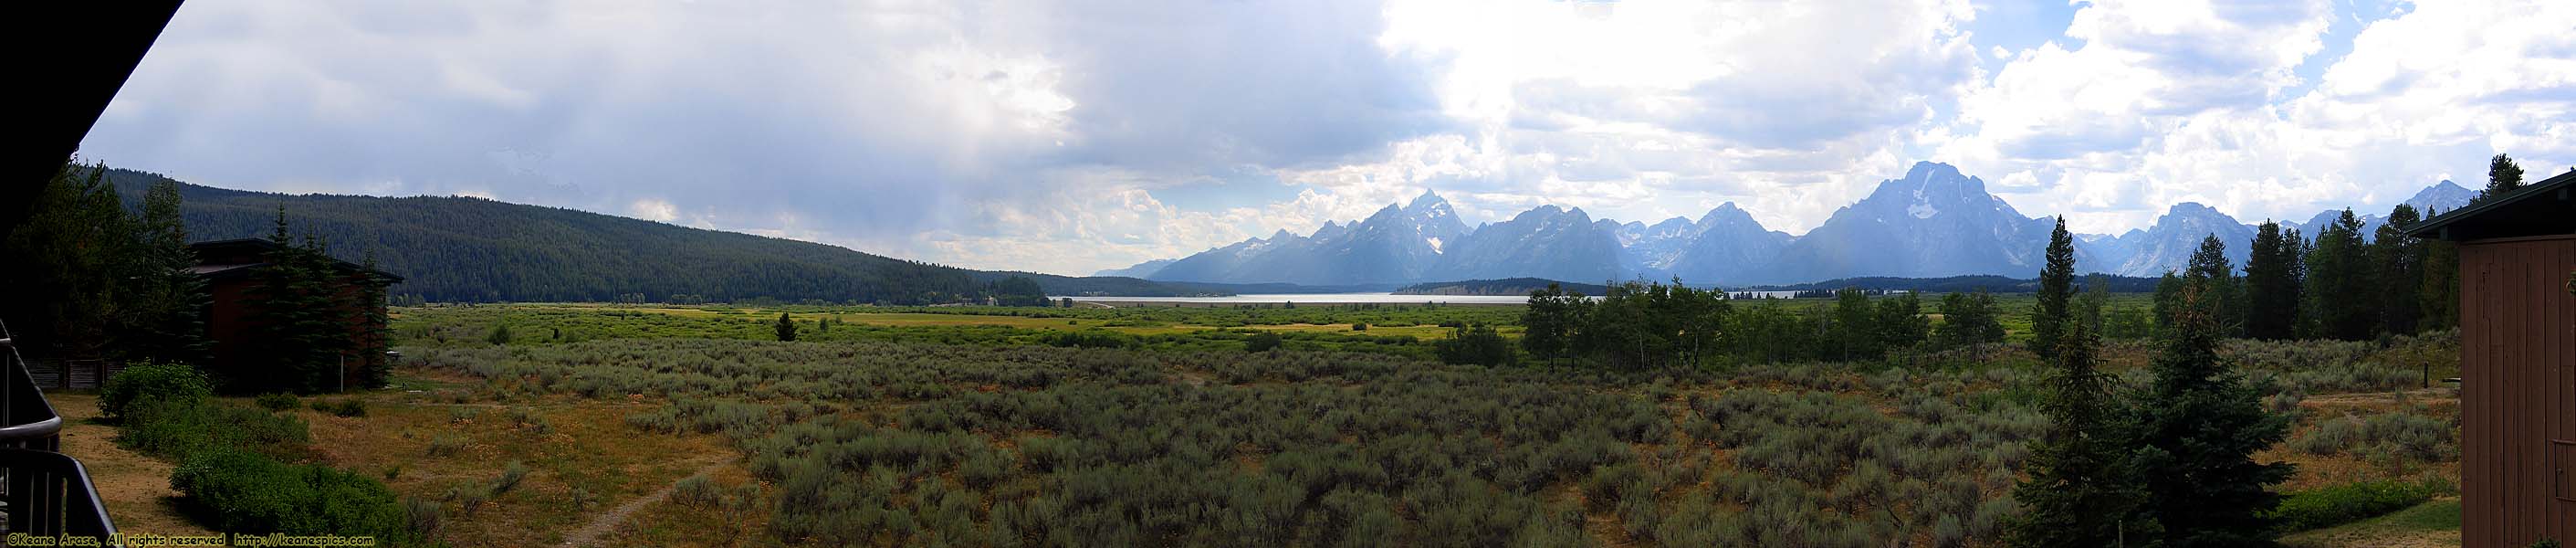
[[1058, 136]]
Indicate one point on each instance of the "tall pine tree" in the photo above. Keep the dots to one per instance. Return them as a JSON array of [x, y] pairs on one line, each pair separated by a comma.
[[2438, 294], [2056, 289], [166, 320], [2503, 176], [2400, 261], [2340, 292], [2272, 280], [2081, 489], [2199, 426], [2217, 278]]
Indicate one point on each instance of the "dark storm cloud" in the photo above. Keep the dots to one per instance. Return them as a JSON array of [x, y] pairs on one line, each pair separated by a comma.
[[874, 121]]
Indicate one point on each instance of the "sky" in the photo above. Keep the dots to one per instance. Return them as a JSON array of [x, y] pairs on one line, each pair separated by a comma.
[[1072, 136]]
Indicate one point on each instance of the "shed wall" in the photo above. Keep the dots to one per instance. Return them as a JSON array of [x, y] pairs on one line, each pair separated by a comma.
[[2518, 383]]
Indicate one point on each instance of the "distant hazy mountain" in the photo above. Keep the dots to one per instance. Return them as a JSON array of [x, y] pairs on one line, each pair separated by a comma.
[[1397, 244], [2442, 196], [1727, 247], [1933, 223], [1143, 269], [1654, 248], [2168, 245], [1547, 242]]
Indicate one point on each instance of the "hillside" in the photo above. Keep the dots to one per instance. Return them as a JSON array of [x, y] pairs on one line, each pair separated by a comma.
[[476, 250]]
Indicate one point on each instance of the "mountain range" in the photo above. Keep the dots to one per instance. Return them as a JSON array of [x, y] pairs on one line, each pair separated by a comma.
[[1933, 222]]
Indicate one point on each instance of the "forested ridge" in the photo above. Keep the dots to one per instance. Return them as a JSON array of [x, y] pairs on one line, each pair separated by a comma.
[[460, 249]]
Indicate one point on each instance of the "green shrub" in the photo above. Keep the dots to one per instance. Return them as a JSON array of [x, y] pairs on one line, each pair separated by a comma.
[[2340, 504], [152, 383], [696, 492], [278, 401], [350, 407], [1261, 342], [510, 478], [244, 492], [446, 444], [177, 429]]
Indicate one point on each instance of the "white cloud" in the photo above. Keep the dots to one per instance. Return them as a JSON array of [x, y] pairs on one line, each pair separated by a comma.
[[1037, 135]]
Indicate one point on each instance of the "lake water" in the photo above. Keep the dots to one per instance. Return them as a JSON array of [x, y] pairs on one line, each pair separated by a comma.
[[1352, 298]]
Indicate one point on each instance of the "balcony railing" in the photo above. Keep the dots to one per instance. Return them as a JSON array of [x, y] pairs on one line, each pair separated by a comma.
[[46, 492]]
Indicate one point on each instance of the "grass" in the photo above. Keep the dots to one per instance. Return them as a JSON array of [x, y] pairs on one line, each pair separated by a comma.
[[2434, 523], [1686, 453]]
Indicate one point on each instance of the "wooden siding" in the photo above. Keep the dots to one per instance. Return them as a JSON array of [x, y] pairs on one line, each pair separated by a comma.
[[2518, 382]]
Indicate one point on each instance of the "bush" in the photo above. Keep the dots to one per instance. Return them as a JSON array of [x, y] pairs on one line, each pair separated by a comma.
[[179, 429], [446, 444], [278, 401], [351, 407], [1261, 342], [244, 492], [696, 492], [510, 478], [152, 383], [2340, 504]]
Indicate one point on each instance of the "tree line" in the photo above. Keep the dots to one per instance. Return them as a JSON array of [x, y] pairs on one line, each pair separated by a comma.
[[2336, 284], [1640, 325], [96, 280]]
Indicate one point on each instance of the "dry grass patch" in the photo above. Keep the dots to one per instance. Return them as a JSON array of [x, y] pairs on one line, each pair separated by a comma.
[[564, 444], [135, 488]]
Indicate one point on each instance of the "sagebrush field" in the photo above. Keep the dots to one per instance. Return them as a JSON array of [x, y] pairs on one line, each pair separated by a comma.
[[978, 427]]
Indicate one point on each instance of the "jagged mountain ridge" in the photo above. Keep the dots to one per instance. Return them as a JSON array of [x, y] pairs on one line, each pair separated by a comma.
[[1933, 222]]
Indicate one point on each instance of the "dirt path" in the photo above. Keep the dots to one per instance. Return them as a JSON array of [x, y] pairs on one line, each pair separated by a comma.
[[135, 488], [607, 522]]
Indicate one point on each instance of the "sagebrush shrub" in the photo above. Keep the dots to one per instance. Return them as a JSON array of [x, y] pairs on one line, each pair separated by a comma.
[[150, 383]]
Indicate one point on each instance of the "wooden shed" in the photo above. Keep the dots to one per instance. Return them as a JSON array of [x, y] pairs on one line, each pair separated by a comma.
[[230, 269], [2517, 362]]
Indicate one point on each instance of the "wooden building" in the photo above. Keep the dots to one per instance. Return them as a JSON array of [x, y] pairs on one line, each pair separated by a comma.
[[231, 268], [2517, 362]]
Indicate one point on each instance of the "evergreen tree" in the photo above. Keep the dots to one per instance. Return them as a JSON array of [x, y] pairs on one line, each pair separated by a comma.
[[2168, 298], [2209, 268], [164, 320], [295, 335], [2339, 288], [375, 328], [2438, 295], [66, 261], [2503, 176], [2080, 489], [2400, 264], [2272, 283], [2056, 288], [786, 328], [2199, 426]]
